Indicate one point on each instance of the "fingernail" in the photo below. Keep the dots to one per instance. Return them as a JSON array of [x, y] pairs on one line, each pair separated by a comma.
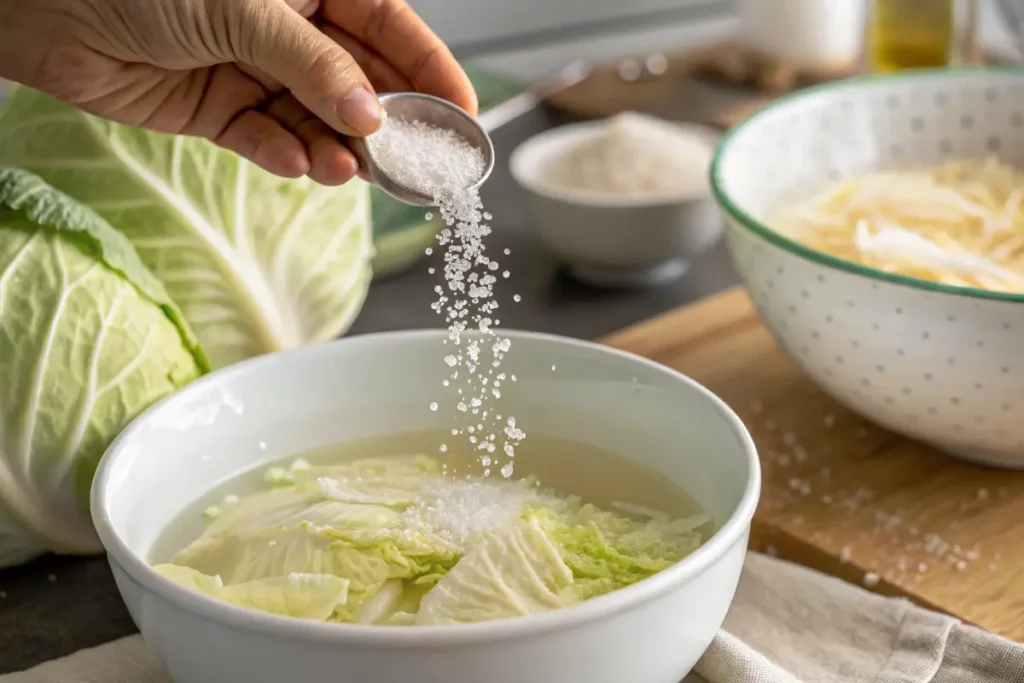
[[361, 111]]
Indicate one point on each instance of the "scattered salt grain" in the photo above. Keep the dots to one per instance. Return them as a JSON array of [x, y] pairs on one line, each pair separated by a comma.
[[871, 579]]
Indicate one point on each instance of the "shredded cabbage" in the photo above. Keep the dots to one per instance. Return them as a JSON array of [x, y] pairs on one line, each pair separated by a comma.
[[960, 223]]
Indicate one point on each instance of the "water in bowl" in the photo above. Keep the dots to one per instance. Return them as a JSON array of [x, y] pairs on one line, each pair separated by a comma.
[[355, 533]]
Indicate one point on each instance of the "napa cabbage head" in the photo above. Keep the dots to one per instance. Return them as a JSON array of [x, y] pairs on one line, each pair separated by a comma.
[[257, 263], [88, 339]]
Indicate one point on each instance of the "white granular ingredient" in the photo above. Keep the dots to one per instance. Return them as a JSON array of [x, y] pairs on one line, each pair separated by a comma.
[[871, 579], [425, 158], [635, 155], [459, 509], [443, 165]]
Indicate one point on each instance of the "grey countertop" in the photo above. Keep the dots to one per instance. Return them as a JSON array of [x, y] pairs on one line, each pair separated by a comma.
[[55, 606]]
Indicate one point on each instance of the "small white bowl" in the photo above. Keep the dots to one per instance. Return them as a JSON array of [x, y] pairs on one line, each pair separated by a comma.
[[608, 240], [933, 362], [283, 404]]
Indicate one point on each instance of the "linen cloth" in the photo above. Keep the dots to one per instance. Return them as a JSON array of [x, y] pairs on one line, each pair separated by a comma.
[[787, 624]]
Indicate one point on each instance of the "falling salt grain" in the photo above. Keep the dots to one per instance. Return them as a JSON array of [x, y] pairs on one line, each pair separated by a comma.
[[871, 579], [446, 167], [516, 298], [433, 405]]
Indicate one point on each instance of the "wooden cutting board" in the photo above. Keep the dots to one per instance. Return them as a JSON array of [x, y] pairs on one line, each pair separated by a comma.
[[843, 496]]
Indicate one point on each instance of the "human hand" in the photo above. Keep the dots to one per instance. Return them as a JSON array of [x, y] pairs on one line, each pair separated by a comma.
[[273, 80]]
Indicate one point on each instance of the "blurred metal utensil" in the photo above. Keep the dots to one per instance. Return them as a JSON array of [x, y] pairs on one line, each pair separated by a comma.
[[1012, 13], [545, 87]]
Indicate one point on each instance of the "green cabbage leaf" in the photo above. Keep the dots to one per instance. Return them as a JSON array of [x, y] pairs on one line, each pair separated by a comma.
[[257, 263], [515, 572], [306, 596], [370, 523], [88, 339]]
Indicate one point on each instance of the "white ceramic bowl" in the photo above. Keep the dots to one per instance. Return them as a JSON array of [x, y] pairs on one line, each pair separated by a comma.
[[613, 241], [280, 405], [936, 363]]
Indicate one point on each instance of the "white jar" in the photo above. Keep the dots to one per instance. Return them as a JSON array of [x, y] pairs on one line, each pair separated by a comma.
[[816, 35]]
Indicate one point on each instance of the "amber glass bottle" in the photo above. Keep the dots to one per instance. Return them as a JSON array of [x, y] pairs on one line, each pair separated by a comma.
[[916, 34]]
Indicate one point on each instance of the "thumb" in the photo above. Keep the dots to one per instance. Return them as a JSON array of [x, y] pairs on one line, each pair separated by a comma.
[[319, 73]]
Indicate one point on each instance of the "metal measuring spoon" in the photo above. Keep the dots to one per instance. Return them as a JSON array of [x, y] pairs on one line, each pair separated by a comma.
[[411, 106]]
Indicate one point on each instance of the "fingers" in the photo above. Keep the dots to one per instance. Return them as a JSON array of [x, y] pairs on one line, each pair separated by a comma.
[[263, 141], [230, 119], [385, 78], [396, 32], [330, 163], [279, 42]]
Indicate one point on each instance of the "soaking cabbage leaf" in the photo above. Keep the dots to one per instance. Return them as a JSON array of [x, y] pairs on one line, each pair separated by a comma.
[[88, 339], [305, 596], [417, 547], [257, 263], [607, 550], [516, 571], [303, 528]]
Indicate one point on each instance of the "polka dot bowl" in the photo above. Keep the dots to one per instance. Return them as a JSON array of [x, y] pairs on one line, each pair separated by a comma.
[[940, 364]]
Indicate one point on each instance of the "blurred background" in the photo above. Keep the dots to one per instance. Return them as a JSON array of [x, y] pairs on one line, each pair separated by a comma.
[[711, 62]]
